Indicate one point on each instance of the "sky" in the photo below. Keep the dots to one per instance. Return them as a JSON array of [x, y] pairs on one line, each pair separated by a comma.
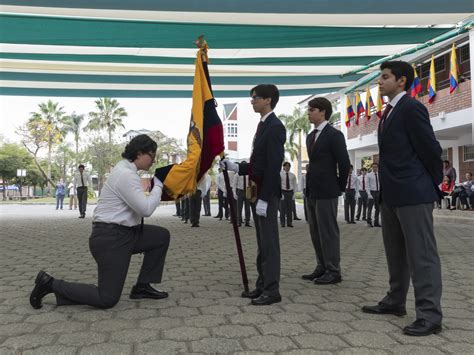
[[170, 116]]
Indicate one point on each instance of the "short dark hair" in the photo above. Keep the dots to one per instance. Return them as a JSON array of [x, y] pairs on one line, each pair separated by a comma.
[[363, 169], [81, 166], [267, 91], [446, 162], [447, 176], [321, 103], [399, 69], [287, 163], [139, 144]]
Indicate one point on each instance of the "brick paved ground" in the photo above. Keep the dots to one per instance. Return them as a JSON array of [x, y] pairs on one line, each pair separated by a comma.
[[204, 313]]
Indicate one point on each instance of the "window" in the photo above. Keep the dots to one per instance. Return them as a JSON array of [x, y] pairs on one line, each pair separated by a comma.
[[444, 154], [468, 152], [440, 64], [425, 70], [464, 54], [231, 130]]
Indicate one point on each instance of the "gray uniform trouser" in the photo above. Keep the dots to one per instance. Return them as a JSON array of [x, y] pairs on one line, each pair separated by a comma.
[[324, 230], [286, 208], [362, 204], [243, 203], [410, 247], [112, 247], [374, 201], [268, 252], [82, 199], [349, 205], [195, 202]]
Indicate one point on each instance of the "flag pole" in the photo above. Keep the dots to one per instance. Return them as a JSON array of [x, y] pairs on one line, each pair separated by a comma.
[[233, 219]]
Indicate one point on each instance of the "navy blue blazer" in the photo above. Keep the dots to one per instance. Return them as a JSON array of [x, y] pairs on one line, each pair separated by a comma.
[[328, 164], [267, 158], [410, 165]]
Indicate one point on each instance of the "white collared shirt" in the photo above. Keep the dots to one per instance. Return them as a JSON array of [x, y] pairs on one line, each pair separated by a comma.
[[393, 102], [320, 128], [353, 183], [292, 178], [263, 118], [239, 181], [374, 181], [363, 182], [122, 199], [85, 177], [204, 184]]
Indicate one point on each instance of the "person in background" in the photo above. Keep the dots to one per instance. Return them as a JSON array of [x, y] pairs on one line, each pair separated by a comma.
[[240, 185], [206, 199], [350, 196], [223, 206], [446, 188], [82, 182], [116, 235], [448, 170], [363, 195], [72, 196], [60, 193], [464, 193], [288, 188], [374, 196]]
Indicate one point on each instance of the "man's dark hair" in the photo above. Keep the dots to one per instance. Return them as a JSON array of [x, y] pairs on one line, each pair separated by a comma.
[[139, 144], [363, 169], [446, 162], [81, 166], [267, 91], [399, 69], [287, 163], [321, 104]]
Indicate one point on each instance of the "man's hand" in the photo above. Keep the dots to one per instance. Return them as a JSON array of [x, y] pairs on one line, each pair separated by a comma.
[[261, 208], [157, 182], [231, 166]]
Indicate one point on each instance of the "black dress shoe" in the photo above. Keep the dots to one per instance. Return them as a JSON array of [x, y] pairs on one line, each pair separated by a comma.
[[290, 225], [251, 294], [384, 309], [297, 219], [43, 286], [377, 225], [314, 275], [248, 225], [82, 216], [327, 279], [357, 219], [422, 327], [283, 226], [266, 300], [147, 291], [369, 224], [352, 222]]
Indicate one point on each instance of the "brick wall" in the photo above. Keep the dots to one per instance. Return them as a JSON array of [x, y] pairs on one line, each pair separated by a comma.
[[464, 166]]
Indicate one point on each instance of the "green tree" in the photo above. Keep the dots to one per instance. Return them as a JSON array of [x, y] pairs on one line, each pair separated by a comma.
[[108, 116], [296, 125], [12, 157], [168, 148], [45, 128], [73, 124]]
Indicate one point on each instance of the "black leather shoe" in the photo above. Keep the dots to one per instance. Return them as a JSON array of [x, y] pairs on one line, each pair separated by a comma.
[[82, 216], [369, 224], [265, 300], [314, 275], [384, 309], [248, 225], [377, 225], [43, 286], [283, 226], [297, 219], [422, 327], [252, 294], [147, 292], [327, 279], [290, 225], [352, 222]]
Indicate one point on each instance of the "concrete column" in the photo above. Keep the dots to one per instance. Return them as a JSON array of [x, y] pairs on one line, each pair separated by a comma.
[[471, 50], [352, 157], [455, 161]]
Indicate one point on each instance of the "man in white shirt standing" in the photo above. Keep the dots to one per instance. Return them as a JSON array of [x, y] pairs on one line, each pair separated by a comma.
[[117, 235], [240, 185], [362, 200], [373, 195], [288, 188], [82, 181], [350, 196]]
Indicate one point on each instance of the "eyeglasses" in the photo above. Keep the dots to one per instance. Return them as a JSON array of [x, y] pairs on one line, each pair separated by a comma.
[[255, 97]]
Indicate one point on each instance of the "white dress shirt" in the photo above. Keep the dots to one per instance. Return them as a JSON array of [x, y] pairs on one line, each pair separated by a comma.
[[122, 199], [320, 128], [221, 181], [363, 183], [204, 184], [292, 178], [395, 100], [85, 176], [374, 181]]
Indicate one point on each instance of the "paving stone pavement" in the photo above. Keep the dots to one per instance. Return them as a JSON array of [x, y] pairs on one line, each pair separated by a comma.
[[204, 313]]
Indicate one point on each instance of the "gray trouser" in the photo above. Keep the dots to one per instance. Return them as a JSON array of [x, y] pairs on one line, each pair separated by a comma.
[[268, 253], [362, 204], [286, 208], [410, 247], [324, 230], [349, 205], [374, 201], [82, 199], [242, 203], [112, 247], [195, 202]]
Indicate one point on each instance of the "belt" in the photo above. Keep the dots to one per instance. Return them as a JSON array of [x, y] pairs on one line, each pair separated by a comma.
[[112, 225]]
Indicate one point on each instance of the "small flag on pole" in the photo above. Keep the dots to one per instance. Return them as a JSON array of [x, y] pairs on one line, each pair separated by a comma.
[[350, 112], [369, 103], [416, 85], [454, 71], [359, 108], [379, 111], [432, 82]]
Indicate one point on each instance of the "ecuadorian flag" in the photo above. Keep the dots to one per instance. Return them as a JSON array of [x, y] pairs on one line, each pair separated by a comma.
[[379, 111], [453, 72], [432, 82], [359, 108], [350, 112], [416, 85], [369, 103], [205, 137]]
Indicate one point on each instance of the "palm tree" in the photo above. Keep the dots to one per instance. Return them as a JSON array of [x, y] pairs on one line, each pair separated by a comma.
[[50, 120], [108, 116], [73, 125], [296, 124]]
